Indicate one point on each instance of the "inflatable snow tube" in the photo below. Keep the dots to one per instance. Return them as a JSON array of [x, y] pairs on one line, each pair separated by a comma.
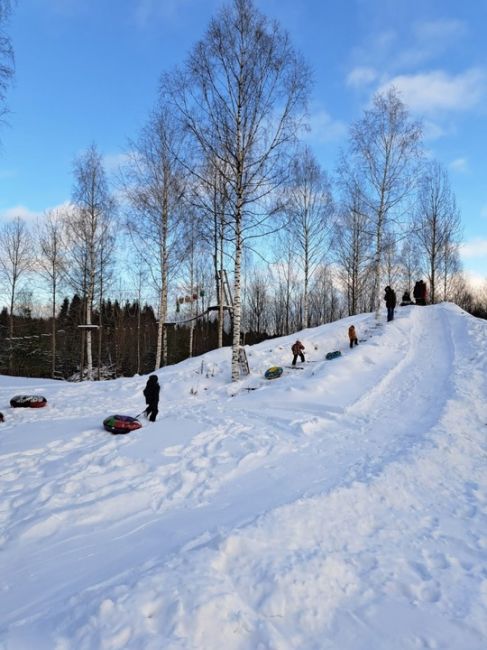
[[273, 373], [333, 355], [28, 401], [121, 424]]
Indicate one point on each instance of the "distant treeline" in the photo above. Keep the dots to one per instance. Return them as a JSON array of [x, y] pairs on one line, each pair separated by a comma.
[[123, 346]]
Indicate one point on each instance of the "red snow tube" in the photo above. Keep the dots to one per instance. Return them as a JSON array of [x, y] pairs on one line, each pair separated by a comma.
[[121, 424], [28, 401]]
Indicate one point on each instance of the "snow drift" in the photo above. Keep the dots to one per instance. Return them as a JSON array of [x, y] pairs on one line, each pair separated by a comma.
[[340, 507]]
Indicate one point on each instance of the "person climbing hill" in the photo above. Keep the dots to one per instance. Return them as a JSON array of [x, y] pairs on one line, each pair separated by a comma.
[[352, 335], [297, 349], [151, 394]]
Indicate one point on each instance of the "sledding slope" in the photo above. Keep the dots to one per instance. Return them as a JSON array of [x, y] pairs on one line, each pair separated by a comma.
[[340, 506]]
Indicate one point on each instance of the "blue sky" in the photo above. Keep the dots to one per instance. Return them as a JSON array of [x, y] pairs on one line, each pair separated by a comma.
[[88, 71]]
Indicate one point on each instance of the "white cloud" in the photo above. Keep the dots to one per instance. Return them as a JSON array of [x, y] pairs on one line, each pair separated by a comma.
[[361, 76], [113, 161], [167, 10], [476, 280], [19, 211], [407, 45], [474, 248], [323, 128], [431, 39], [31, 216], [459, 165], [433, 131], [440, 31], [434, 91]]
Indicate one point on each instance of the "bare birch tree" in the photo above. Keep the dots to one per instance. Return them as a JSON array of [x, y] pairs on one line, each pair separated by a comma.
[[437, 223], [385, 148], [210, 197], [285, 280], [409, 259], [352, 243], [90, 232], [15, 262], [450, 269], [239, 96], [50, 264], [308, 206], [154, 183]]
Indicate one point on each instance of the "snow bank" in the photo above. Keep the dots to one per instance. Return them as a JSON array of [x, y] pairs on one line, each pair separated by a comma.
[[342, 506]]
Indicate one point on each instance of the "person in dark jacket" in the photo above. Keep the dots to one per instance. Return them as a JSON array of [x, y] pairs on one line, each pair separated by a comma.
[[406, 299], [297, 349], [390, 298], [151, 394], [419, 292], [2, 419]]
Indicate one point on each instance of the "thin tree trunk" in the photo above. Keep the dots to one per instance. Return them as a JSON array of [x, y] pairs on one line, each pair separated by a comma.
[[11, 329], [89, 349], [236, 306], [82, 356], [305, 293], [221, 298], [139, 316], [160, 328], [53, 332]]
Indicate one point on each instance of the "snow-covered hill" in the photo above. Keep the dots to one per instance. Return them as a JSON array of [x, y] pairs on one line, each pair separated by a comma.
[[342, 506]]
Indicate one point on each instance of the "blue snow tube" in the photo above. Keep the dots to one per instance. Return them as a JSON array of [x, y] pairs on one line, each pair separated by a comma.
[[273, 373], [333, 355]]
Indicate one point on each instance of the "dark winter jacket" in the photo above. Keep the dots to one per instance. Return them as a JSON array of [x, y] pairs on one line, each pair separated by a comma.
[[297, 347], [419, 292], [390, 298], [406, 299], [151, 390]]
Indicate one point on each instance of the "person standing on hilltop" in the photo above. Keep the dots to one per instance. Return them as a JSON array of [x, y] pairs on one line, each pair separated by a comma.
[[390, 298]]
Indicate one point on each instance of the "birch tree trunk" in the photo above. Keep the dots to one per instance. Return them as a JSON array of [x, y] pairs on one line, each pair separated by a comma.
[[240, 97]]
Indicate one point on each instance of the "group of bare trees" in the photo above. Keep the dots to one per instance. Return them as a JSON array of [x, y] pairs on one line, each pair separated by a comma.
[[398, 218], [70, 249], [218, 179]]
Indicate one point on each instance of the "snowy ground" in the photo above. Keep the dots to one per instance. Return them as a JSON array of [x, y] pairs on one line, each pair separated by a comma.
[[342, 506]]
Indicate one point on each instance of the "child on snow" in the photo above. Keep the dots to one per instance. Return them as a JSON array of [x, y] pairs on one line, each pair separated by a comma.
[[406, 299], [151, 394], [297, 349], [352, 335]]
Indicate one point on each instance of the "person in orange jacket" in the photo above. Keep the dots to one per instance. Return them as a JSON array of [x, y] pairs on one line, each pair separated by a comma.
[[352, 335]]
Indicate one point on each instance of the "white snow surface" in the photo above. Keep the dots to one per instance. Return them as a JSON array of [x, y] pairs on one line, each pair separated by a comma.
[[342, 506]]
